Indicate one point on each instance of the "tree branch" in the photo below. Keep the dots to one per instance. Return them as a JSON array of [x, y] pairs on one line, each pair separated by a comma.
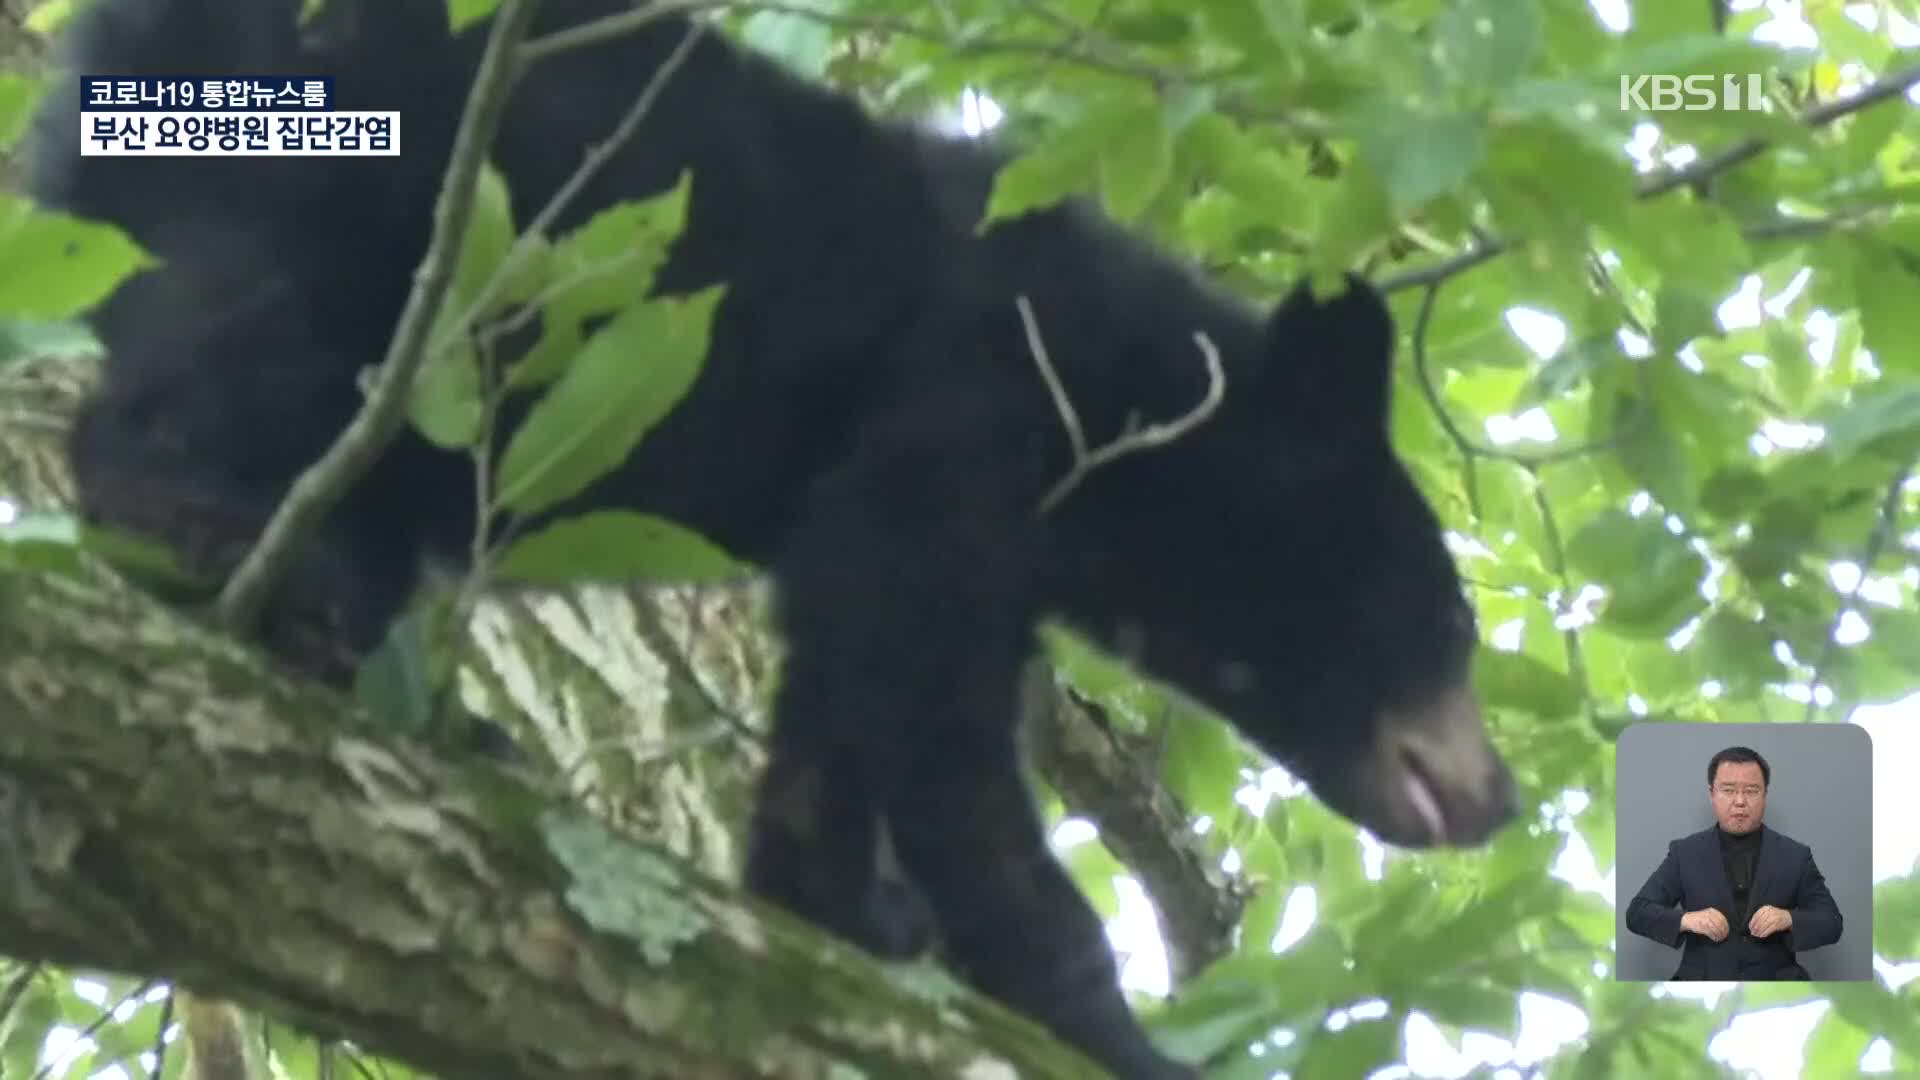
[[1112, 784], [170, 808], [1469, 447], [1885, 524], [595, 159], [323, 484], [611, 27], [1882, 89]]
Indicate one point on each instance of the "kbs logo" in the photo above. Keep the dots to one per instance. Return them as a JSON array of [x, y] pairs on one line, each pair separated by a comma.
[[1692, 93]]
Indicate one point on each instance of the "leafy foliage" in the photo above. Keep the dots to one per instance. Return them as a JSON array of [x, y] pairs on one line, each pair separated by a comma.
[[1652, 498]]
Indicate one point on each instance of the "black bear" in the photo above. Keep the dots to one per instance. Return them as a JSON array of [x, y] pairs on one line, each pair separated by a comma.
[[871, 425]]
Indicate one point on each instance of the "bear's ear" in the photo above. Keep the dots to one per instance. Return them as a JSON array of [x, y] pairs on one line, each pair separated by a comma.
[[1331, 358]]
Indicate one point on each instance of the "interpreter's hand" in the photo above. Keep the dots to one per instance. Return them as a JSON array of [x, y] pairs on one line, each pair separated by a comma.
[[1769, 920], [1707, 922]]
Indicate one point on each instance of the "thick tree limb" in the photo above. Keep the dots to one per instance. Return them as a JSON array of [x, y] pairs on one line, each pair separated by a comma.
[[168, 807], [1111, 784]]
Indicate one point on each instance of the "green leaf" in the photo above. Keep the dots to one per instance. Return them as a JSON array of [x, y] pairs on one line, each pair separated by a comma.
[[1506, 680], [46, 19], [1239, 999], [631, 373], [1093, 868], [1888, 409], [1201, 764], [1693, 53], [1160, 27], [803, 43], [1262, 919], [1130, 701], [41, 542], [1662, 20], [1588, 916], [490, 233], [615, 545], [612, 259], [56, 266], [148, 562], [32, 339], [1358, 217], [1896, 918], [1558, 376], [1563, 172], [19, 97], [1417, 155], [395, 682], [1872, 1007], [1682, 314], [1135, 162], [1886, 659], [1835, 1047], [1224, 1023], [1652, 576], [1487, 44], [464, 13], [1038, 179], [1739, 653], [1791, 364], [1466, 1004], [446, 404], [23, 1034], [1355, 1050], [1689, 243], [1889, 318], [601, 267]]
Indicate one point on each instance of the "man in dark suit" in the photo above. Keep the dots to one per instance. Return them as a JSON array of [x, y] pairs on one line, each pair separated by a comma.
[[1738, 898]]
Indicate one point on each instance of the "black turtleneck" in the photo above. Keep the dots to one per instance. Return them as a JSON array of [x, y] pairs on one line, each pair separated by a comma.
[[1740, 854]]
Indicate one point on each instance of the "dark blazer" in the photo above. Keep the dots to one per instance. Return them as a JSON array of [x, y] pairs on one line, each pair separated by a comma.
[[1693, 876]]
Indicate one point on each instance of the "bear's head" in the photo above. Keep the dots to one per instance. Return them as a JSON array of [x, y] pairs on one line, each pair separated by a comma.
[[1279, 564]]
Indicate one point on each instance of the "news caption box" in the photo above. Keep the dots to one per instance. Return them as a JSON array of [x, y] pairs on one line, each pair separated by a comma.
[[206, 116]]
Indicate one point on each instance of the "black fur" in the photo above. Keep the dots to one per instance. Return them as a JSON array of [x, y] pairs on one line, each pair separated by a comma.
[[870, 424]]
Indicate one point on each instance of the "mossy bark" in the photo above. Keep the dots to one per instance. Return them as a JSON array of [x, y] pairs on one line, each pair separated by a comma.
[[170, 806]]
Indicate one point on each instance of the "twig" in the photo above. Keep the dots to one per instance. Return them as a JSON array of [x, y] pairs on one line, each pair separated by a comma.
[[610, 27], [1083, 47], [16, 989], [595, 159], [535, 306], [1444, 269], [1882, 89], [324, 483], [1129, 440], [61, 1061], [1883, 530], [486, 548], [1570, 635], [160, 1038], [1464, 442], [591, 163], [599, 154], [1791, 228]]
